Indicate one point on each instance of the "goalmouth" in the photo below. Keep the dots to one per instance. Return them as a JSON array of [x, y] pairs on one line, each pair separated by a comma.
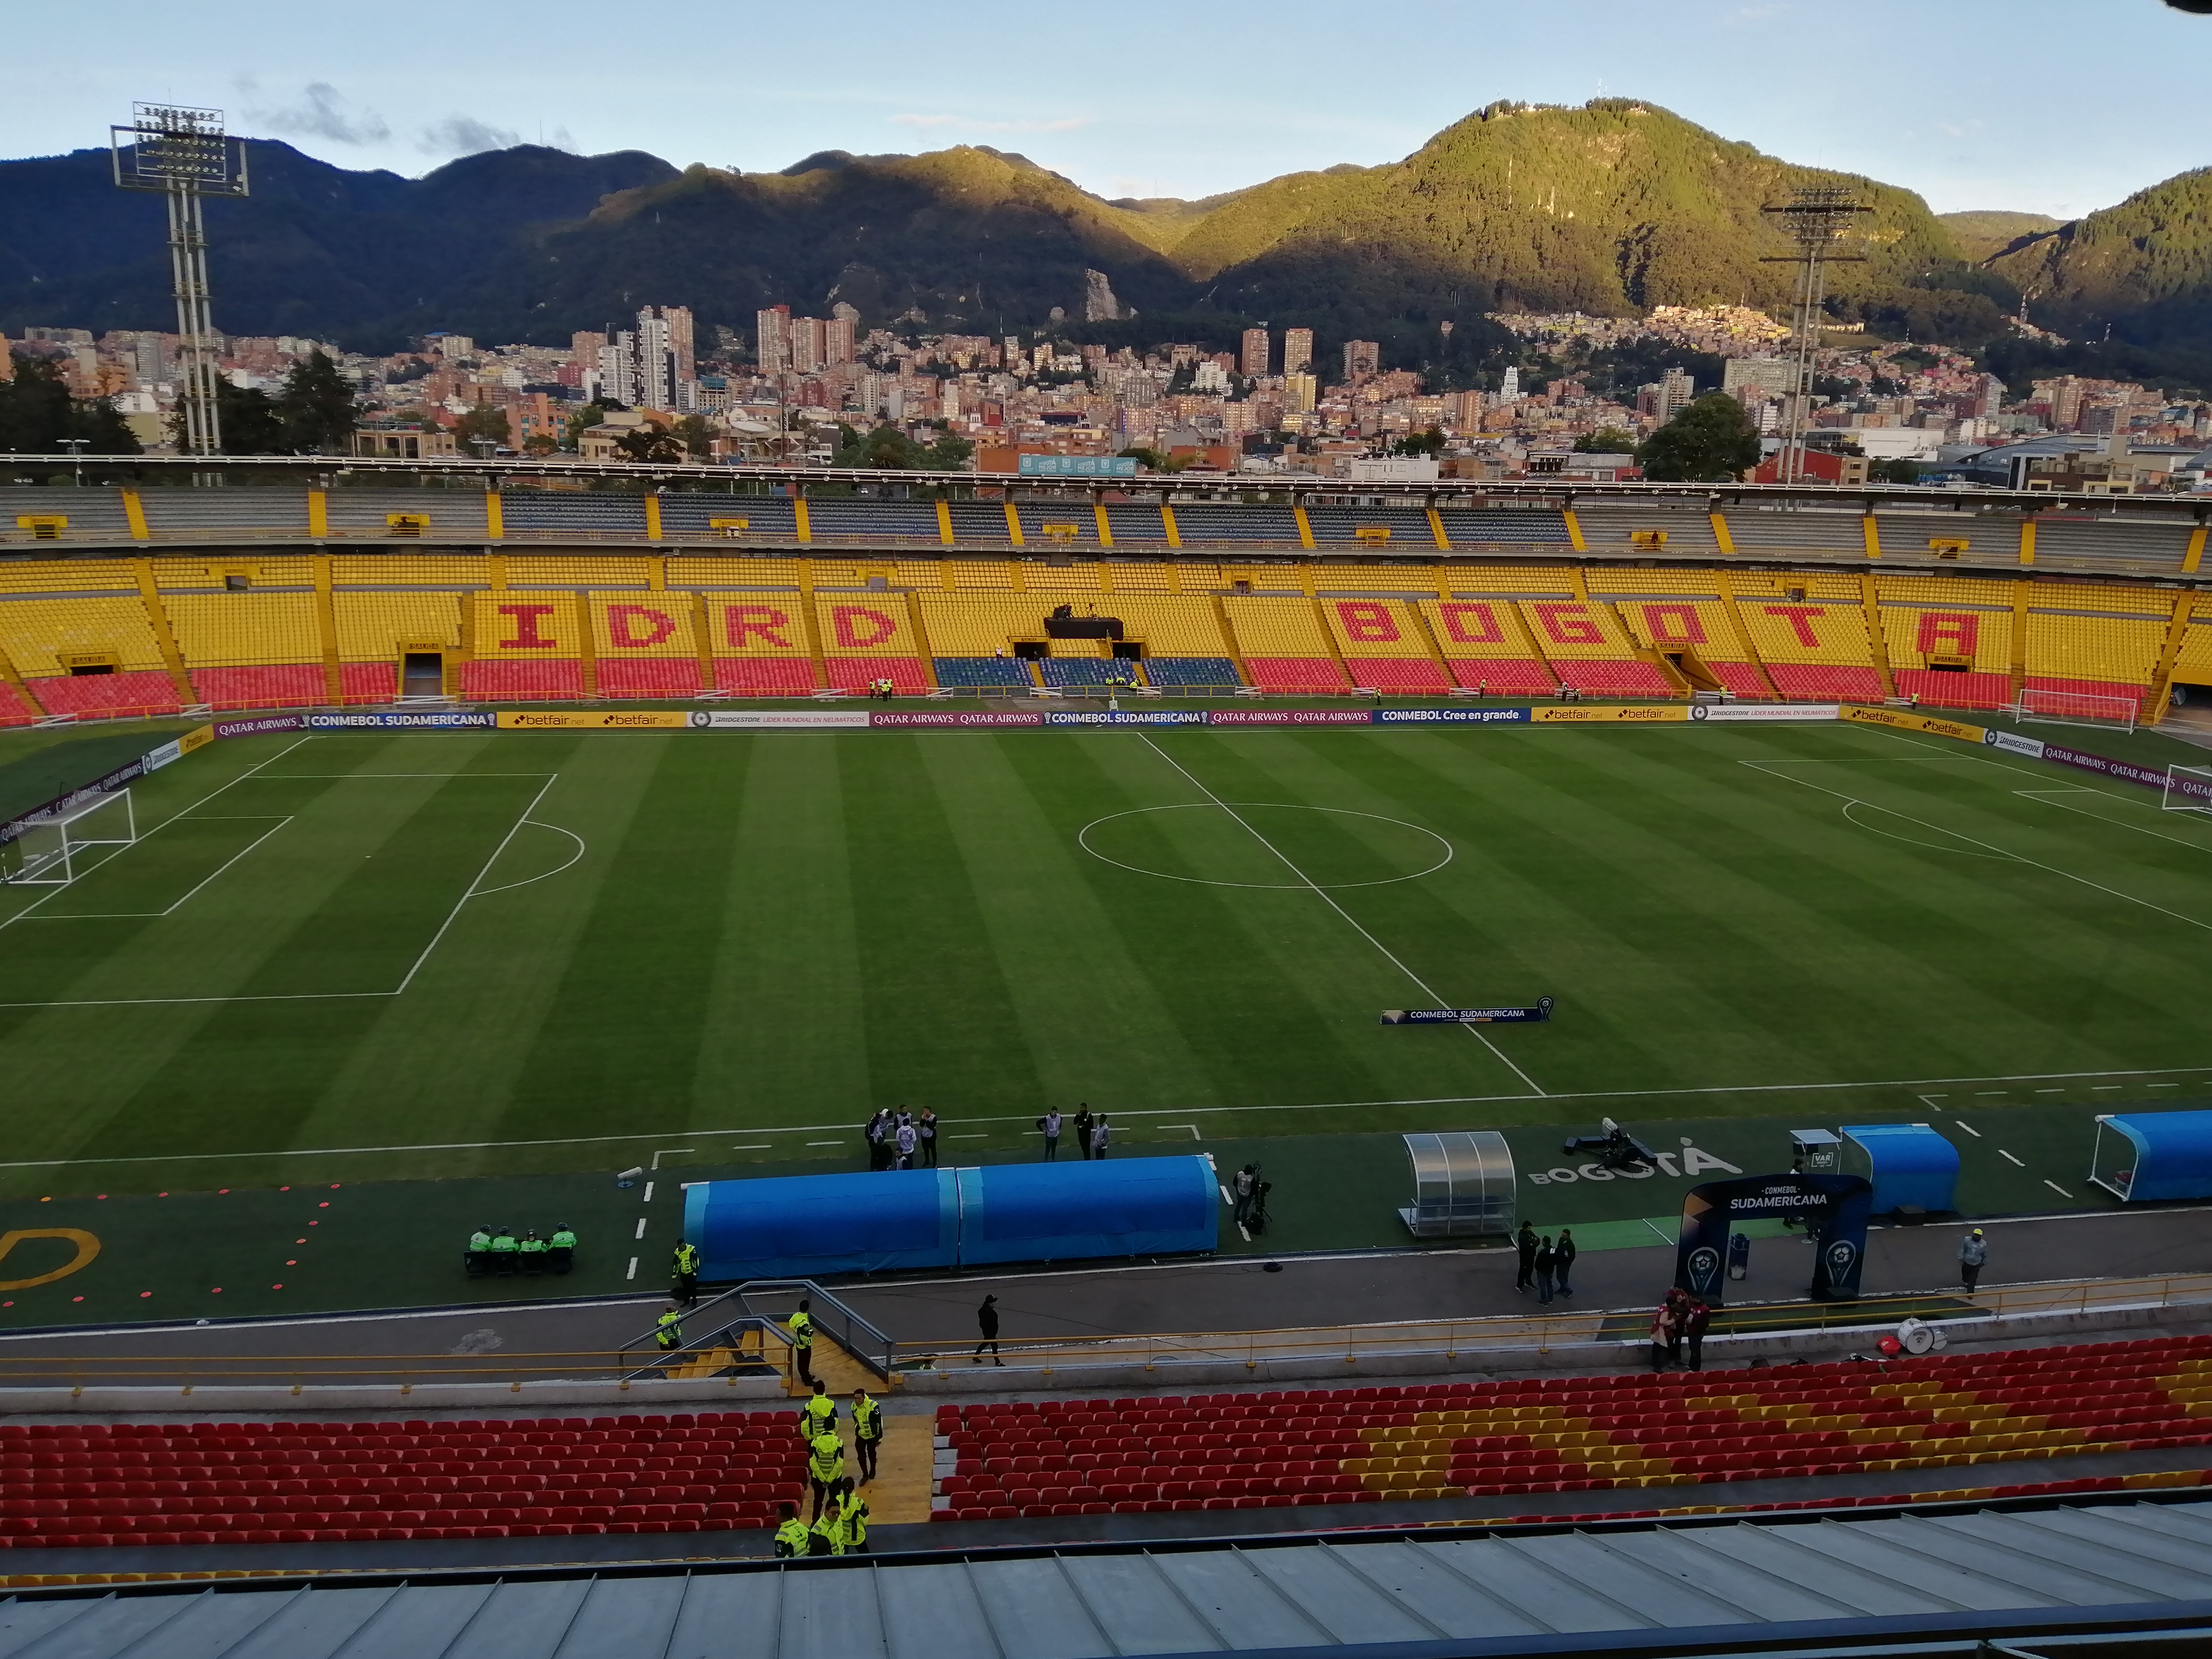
[[2188, 789], [54, 849], [2077, 708]]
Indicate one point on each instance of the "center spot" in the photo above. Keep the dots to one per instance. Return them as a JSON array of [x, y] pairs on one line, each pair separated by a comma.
[[1204, 842]]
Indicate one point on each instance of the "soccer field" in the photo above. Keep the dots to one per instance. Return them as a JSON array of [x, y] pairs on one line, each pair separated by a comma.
[[453, 952]]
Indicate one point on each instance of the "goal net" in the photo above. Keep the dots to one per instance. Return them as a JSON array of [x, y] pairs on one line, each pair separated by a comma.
[[2188, 789], [2077, 708], [54, 850]]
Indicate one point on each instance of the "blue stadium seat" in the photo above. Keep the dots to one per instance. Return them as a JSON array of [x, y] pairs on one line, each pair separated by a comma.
[[1088, 670], [1191, 671], [983, 671]]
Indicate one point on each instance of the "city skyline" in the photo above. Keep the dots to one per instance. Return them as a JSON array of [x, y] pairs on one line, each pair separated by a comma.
[[1162, 104]]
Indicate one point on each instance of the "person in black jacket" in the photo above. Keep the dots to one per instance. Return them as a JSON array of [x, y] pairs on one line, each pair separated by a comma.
[[1563, 1261], [986, 1320], [1526, 1241]]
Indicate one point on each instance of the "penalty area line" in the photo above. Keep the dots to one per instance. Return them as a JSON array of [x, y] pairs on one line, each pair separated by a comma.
[[1153, 1112]]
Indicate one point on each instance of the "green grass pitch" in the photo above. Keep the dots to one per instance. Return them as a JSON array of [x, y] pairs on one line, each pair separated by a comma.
[[441, 954]]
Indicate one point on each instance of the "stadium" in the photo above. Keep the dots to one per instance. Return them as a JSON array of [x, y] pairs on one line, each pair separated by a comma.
[[393, 851]]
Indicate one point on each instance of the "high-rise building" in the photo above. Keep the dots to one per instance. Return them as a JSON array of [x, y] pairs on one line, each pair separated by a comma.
[[2065, 403], [1361, 359], [1752, 380], [1509, 386], [680, 343], [1990, 395], [1252, 362], [774, 334], [837, 340], [1298, 350], [809, 344], [1300, 392], [1677, 392], [652, 363], [619, 369]]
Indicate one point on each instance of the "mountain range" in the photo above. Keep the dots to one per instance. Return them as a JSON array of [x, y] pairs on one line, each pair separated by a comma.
[[1609, 208]]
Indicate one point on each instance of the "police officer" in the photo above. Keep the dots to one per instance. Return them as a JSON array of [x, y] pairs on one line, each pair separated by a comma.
[[826, 1468], [502, 1251], [478, 1261], [669, 1332], [529, 1253], [685, 1269], [790, 1530], [819, 1416], [801, 1325], [562, 1254], [867, 1432], [852, 1520], [821, 1538]]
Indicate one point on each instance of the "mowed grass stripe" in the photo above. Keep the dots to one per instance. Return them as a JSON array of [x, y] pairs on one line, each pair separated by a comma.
[[443, 1062], [784, 1026], [1097, 1026], [1286, 976], [624, 1022], [938, 1014]]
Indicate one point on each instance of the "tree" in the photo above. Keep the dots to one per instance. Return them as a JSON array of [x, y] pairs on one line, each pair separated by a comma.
[[1431, 442], [486, 423], [1150, 460], [590, 415], [1899, 472], [1605, 440], [37, 412], [950, 452], [651, 444], [1709, 442], [697, 434], [251, 423], [317, 407]]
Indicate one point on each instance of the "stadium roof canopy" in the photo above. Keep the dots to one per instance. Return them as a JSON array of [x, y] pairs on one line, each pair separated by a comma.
[[1934, 1580]]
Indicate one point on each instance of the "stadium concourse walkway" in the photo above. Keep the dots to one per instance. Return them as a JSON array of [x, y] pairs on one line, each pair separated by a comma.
[[1224, 1295]]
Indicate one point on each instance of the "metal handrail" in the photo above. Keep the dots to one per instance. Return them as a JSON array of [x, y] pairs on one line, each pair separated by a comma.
[[847, 1327]]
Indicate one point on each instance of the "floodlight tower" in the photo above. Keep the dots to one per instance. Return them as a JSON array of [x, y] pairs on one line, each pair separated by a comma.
[[1815, 217], [185, 154]]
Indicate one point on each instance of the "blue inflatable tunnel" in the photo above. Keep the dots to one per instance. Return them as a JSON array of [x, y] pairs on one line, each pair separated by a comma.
[[1068, 1212], [2148, 1156], [805, 1226], [1909, 1164]]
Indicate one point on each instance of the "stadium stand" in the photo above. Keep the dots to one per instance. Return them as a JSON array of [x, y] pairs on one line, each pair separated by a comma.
[[1096, 672], [1283, 646], [1679, 614], [1383, 644], [983, 671], [1818, 532], [1617, 529], [1587, 649], [759, 643], [1210, 524], [15, 708], [869, 639], [1950, 639], [865, 519], [711, 572], [1810, 633], [1487, 648], [547, 514], [250, 650], [80, 1485], [743, 517], [374, 630], [1058, 524], [1195, 673], [89, 656], [1406, 529], [2192, 666], [645, 645], [1375, 577], [1137, 526], [980, 523], [543, 570], [1501, 528], [2095, 643], [1570, 1434], [527, 647], [1152, 576]]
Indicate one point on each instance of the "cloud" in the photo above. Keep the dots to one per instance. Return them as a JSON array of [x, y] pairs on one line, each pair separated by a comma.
[[463, 135], [968, 123], [322, 112]]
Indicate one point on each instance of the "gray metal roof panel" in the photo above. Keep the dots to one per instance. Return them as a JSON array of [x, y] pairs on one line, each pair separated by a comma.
[[1034, 1610], [22, 1622], [1140, 1608], [621, 1617], [1240, 1604], [108, 1629], [934, 1612], [212, 1626], [1533, 1589], [1430, 1583], [420, 1620], [1707, 1561], [2125, 1564], [729, 1616], [829, 1615], [527, 1621], [316, 1624], [1855, 1545], [1342, 1602], [1785, 1551], [1964, 1541], [1657, 1597]]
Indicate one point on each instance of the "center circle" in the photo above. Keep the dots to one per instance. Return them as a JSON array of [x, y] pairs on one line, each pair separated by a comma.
[[1290, 847]]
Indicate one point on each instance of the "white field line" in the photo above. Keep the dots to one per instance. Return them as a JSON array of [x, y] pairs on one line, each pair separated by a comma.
[[1991, 848], [2043, 796], [157, 829], [1323, 895], [138, 915], [475, 890], [575, 859], [1162, 1111]]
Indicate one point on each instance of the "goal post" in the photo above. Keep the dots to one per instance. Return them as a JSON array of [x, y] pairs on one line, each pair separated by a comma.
[[55, 849], [2188, 789], [2102, 708]]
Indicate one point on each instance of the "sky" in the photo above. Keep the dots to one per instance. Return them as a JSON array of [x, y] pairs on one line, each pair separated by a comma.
[[2055, 106]]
